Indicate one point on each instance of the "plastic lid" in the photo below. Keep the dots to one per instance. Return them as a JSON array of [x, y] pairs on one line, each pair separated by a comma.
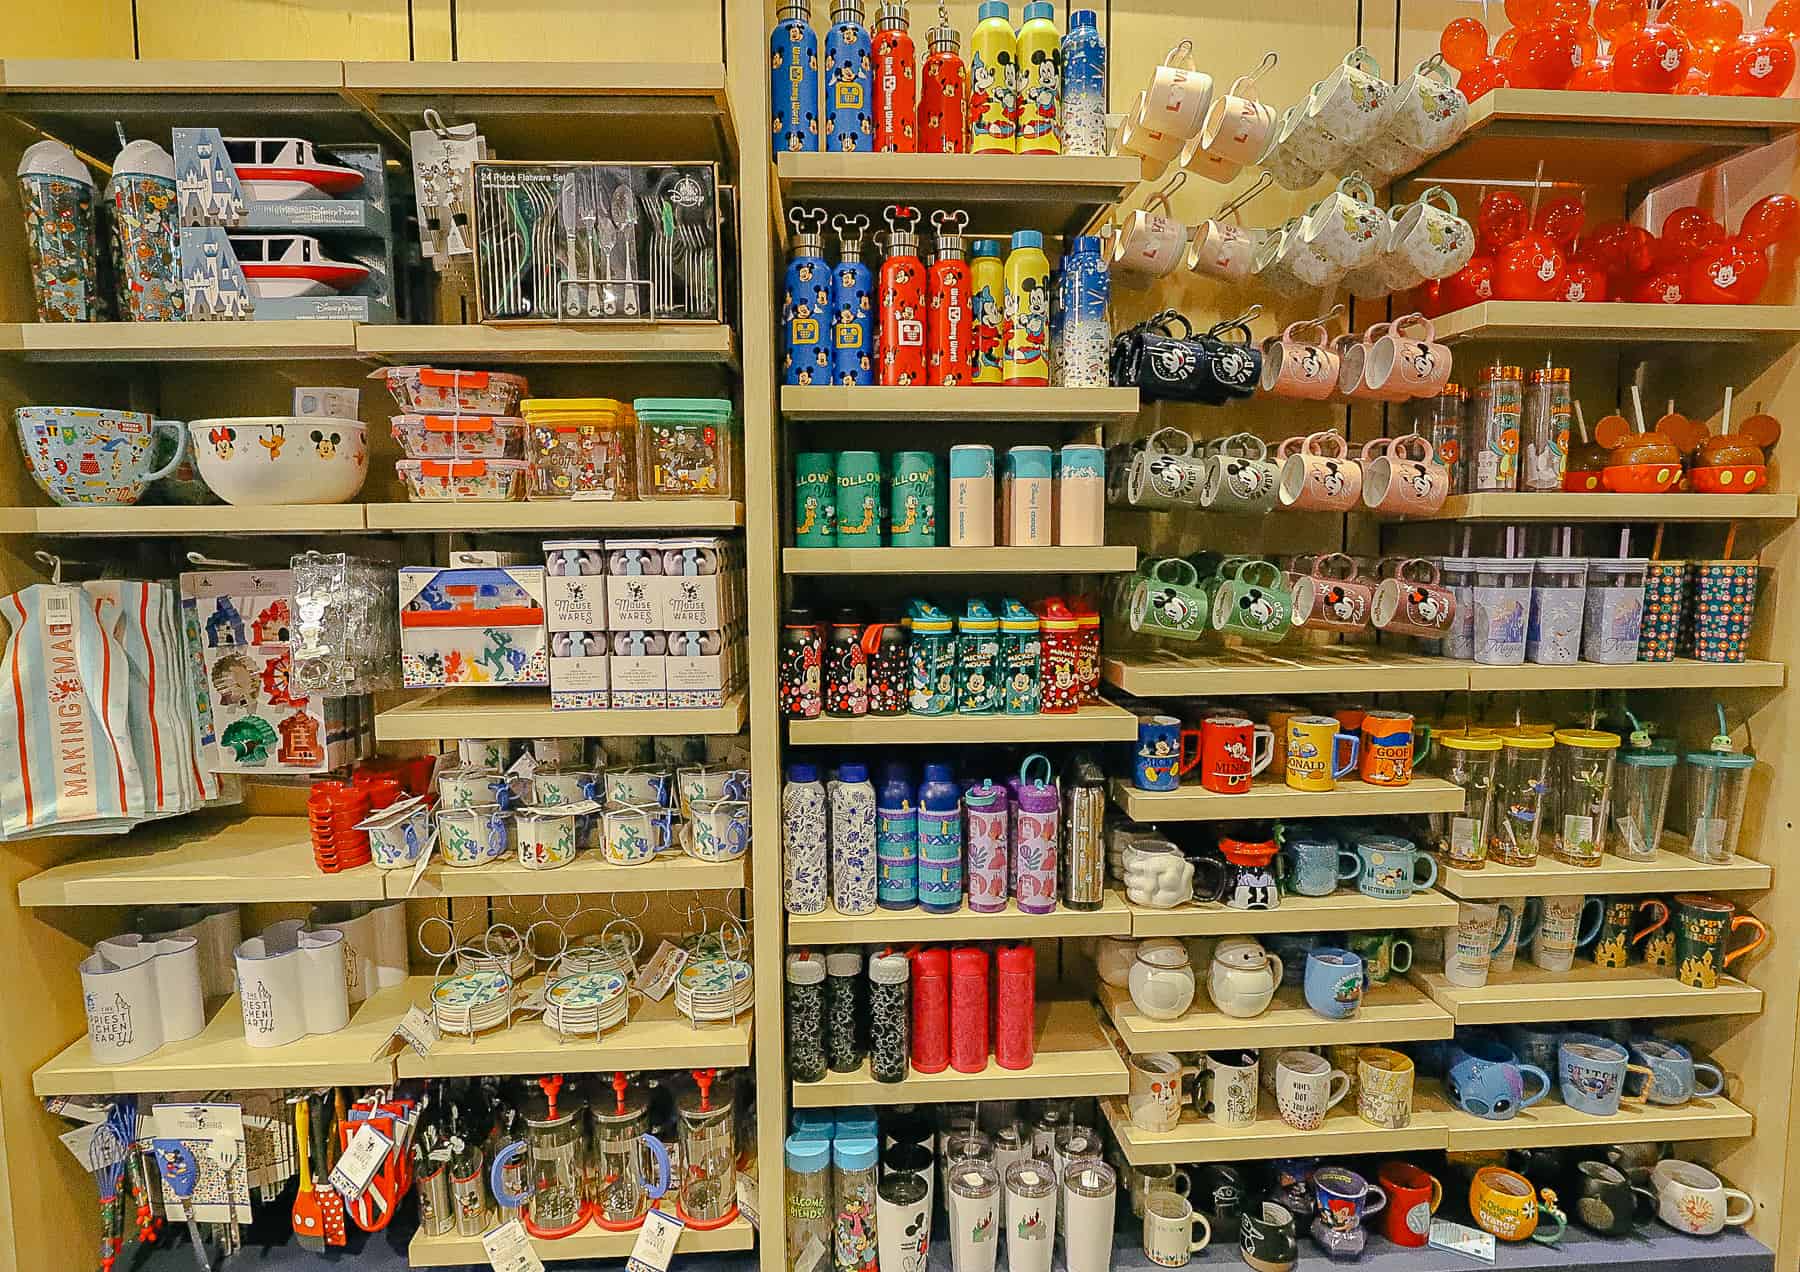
[[844, 963], [993, 9], [858, 1153], [681, 409], [939, 773], [807, 1155], [799, 617], [1015, 617], [800, 771], [853, 771], [805, 969], [1618, 565], [1463, 740], [977, 617], [1081, 18], [1501, 564], [1040, 9], [1088, 243], [985, 247], [1592, 739], [1030, 462], [1027, 238], [1526, 741], [1648, 758], [553, 409], [1721, 759], [889, 969]]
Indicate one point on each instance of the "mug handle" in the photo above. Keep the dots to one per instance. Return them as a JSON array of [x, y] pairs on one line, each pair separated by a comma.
[[1250, 446], [181, 443], [1546, 1207], [1446, 200], [1373, 449], [1400, 943], [1506, 930], [1196, 1219], [1431, 872], [1532, 1071], [1151, 446], [1316, 443], [1749, 1213], [1347, 854], [1639, 1071], [1185, 765], [1272, 576], [1585, 934], [1277, 970], [1718, 1078], [1335, 1094], [1645, 1202], [1646, 904], [1192, 578], [1209, 891], [1421, 744], [1356, 186], [1761, 931], [1262, 749], [1349, 765], [1435, 67], [1531, 922]]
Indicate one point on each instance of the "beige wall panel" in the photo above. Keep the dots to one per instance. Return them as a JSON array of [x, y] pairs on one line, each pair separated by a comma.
[[332, 29], [614, 30], [84, 28]]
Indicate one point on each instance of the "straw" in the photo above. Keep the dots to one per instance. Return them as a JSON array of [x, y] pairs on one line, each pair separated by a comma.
[[1725, 419], [1637, 408], [1581, 422], [1730, 539], [1624, 542], [1537, 190], [1656, 543]]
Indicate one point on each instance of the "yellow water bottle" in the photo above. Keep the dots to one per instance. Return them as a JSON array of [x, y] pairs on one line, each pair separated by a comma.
[[1027, 315], [987, 309], [994, 82], [1040, 81]]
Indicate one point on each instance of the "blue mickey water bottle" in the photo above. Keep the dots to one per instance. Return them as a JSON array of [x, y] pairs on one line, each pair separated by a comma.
[[794, 79], [852, 306], [849, 83], [940, 841], [896, 840], [806, 302]]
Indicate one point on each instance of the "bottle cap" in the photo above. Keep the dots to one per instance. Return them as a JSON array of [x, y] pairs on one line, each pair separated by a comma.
[[891, 15], [1018, 960], [854, 1154], [972, 460], [1087, 244], [1084, 19], [985, 247], [806, 1155], [994, 9], [800, 771], [889, 969], [939, 773], [844, 963], [847, 11], [933, 961], [805, 969], [799, 618], [1027, 238], [1040, 10], [853, 771], [846, 617], [943, 39]]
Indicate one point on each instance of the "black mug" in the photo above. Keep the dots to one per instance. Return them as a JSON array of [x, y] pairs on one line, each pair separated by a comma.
[[1552, 1168], [1266, 1237], [1608, 1203], [1636, 1161], [1231, 368], [1224, 1192], [1213, 878]]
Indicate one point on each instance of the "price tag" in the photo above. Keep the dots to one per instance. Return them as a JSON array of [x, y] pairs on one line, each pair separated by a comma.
[[509, 1249], [416, 1029], [812, 1256], [1462, 838], [746, 1197], [418, 871], [59, 609], [359, 1162], [1461, 1239], [1577, 829], [656, 1242], [657, 977]]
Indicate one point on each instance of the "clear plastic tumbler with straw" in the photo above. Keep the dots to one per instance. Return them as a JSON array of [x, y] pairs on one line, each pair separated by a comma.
[[1584, 782], [1718, 782], [1640, 796]]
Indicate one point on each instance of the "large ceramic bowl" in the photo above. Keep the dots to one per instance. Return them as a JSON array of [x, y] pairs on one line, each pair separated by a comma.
[[281, 459], [89, 455]]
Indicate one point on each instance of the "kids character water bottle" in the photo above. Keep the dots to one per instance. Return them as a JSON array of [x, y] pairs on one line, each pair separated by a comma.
[[940, 841], [896, 80], [846, 667], [950, 325], [1019, 657], [849, 69], [806, 301], [902, 301], [802, 662], [984, 807], [993, 82], [931, 657], [794, 79], [1060, 644], [978, 687], [896, 840], [943, 95], [1084, 85], [1040, 81], [1035, 836], [1026, 316], [852, 306], [987, 303]]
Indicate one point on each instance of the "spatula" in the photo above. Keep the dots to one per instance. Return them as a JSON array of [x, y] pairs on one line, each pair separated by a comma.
[[331, 1202], [309, 1218]]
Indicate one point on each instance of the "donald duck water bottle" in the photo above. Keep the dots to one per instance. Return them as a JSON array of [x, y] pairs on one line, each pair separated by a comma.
[[794, 78]]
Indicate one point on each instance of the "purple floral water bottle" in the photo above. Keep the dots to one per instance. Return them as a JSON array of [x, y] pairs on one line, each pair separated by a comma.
[[984, 807], [1034, 836]]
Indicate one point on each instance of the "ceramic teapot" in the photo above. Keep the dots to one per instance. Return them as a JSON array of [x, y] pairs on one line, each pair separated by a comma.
[[1243, 978], [1162, 979]]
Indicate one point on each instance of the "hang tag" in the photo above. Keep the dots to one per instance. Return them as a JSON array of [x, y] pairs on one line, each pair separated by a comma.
[[656, 1242], [416, 1029], [1577, 829], [813, 1256], [1462, 838], [534, 1001], [1461, 1239], [418, 870], [359, 1162], [76, 1110], [59, 609], [746, 1196], [509, 1249], [526, 766], [657, 977]]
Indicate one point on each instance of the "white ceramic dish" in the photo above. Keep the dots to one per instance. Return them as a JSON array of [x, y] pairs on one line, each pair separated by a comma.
[[259, 460]]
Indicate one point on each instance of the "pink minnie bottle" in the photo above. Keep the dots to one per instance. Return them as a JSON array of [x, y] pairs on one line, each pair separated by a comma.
[[984, 815], [1039, 809]]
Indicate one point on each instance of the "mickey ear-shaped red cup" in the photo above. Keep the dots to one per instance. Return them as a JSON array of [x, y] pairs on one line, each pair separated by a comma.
[[1733, 273], [1770, 221], [1529, 268], [1757, 64], [1464, 43], [1501, 219], [1652, 60]]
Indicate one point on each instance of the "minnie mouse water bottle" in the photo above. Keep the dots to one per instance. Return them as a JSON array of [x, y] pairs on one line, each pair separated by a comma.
[[949, 331], [794, 79], [852, 306], [896, 83], [943, 95], [1060, 651], [849, 114], [902, 301], [806, 301]]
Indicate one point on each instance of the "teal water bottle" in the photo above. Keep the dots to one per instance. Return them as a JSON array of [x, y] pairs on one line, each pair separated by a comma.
[[815, 499], [912, 501], [859, 499], [978, 687], [1019, 657], [931, 659]]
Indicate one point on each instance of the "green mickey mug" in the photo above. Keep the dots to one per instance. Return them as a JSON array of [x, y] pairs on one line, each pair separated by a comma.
[[1169, 601], [1253, 601]]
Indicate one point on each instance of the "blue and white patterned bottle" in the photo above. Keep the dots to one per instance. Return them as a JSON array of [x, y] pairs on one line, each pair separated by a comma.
[[794, 79], [852, 306], [803, 854], [1086, 330], [849, 80], [853, 840], [1084, 85]]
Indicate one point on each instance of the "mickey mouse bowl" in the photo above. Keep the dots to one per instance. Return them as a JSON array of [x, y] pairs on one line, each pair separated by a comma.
[[281, 459]]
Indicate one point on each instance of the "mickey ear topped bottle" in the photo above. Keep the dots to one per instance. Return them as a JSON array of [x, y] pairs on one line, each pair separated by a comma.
[[849, 71], [794, 79], [806, 301]]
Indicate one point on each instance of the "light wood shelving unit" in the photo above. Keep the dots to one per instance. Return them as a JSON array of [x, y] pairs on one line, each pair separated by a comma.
[[1602, 506], [224, 520], [557, 514], [1277, 799], [1670, 872], [287, 340], [1345, 910], [977, 561], [968, 402], [1395, 1012], [1102, 723], [649, 342], [592, 1242], [1586, 992], [1199, 1139], [896, 927], [586, 874], [526, 713], [1550, 1123], [1073, 1057]]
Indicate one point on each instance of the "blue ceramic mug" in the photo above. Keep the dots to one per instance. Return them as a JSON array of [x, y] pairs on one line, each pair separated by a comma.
[[1675, 1075], [1334, 982], [1292, 948], [1486, 1079], [1317, 863], [1345, 1198], [1534, 1044], [1158, 765], [1390, 868], [1592, 1071]]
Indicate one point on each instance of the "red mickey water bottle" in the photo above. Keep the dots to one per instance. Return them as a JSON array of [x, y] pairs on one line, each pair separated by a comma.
[[949, 330], [1015, 1007], [902, 287], [896, 83], [943, 92]]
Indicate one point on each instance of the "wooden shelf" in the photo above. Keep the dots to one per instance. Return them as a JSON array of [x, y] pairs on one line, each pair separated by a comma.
[[1199, 1139], [588, 873], [620, 342], [1670, 872], [1058, 193], [1194, 802], [1113, 918], [1103, 722], [1605, 139], [1619, 323], [556, 514], [218, 1056], [592, 1242], [207, 860], [1683, 673], [1342, 911], [655, 1037], [1604, 506], [1039, 561], [1394, 1012], [1285, 670], [1551, 1123], [526, 713], [148, 521], [1073, 1057], [962, 402], [283, 340], [1586, 992]]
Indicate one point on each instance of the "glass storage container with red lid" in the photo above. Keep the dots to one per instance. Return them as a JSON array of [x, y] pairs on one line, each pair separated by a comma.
[[468, 480], [690, 448], [431, 390], [459, 436], [581, 448]]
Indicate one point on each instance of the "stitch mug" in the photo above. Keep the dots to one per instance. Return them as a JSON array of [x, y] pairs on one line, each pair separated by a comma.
[[1402, 476], [1253, 602], [1675, 1075], [1592, 1072], [1332, 597], [1406, 604], [1169, 601], [1237, 476], [1318, 754], [1486, 1079], [1165, 473], [1295, 368], [1317, 473]]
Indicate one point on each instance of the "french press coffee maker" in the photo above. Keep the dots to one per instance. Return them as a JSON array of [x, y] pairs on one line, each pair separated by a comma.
[[553, 1199], [708, 1193], [623, 1149]]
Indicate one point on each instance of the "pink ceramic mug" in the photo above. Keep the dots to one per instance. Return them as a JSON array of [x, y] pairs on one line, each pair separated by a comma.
[[1149, 243], [1353, 362], [1238, 125], [1220, 249], [1333, 597], [1296, 368], [1402, 476], [1317, 473], [1409, 601], [1177, 99], [1408, 365]]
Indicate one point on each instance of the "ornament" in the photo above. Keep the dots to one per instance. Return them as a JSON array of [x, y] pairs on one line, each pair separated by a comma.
[[1652, 60], [1529, 268], [1561, 220], [1617, 19]]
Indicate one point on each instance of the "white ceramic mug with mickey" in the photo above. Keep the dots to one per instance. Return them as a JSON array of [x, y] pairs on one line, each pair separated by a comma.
[[1317, 473], [1297, 368], [1427, 112], [1165, 473], [1431, 237], [1403, 477], [1352, 101]]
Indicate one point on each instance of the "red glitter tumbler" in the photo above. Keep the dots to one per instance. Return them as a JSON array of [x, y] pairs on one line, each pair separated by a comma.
[[1015, 996]]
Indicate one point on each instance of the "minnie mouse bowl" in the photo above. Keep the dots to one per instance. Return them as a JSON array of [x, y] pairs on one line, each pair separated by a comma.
[[257, 460], [89, 455]]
